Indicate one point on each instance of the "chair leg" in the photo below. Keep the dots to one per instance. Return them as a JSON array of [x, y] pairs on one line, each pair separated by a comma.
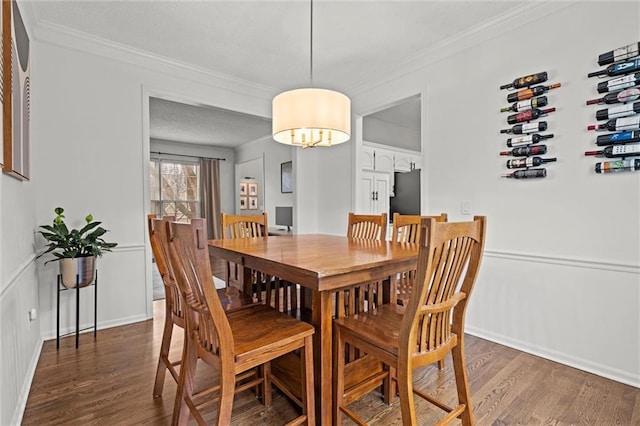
[[308, 399], [227, 390], [407, 403], [389, 386], [186, 380], [441, 364], [462, 384], [163, 358], [338, 379]]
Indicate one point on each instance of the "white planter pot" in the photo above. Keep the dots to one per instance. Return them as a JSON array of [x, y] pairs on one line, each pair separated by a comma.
[[77, 270]]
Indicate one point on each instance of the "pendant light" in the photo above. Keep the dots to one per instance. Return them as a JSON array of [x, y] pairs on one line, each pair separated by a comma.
[[311, 117]]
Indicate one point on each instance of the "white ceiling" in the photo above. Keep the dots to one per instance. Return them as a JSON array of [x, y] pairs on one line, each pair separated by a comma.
[[267, 43], [174, 121]]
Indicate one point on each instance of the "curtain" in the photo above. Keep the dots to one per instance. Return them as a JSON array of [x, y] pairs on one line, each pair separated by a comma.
[[210, 196]]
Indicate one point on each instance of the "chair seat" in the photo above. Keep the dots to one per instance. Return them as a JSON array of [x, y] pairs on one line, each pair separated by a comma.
[[380, 326], [260, 330], [233, 299]]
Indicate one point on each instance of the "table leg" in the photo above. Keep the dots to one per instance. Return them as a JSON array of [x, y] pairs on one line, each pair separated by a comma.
[[322, 355]]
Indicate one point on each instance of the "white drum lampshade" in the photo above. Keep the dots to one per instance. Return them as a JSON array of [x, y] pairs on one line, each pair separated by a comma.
[[311, 117]]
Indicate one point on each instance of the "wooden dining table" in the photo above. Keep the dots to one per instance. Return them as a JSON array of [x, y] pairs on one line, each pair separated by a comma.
[[324, 264]]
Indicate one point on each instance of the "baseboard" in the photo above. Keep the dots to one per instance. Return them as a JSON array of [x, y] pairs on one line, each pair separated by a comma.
[[560, 357], [101, 326], [26, 387]]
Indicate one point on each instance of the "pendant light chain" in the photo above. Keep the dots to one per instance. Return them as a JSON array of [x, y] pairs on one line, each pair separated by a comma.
[[311, 117], [311, 46]]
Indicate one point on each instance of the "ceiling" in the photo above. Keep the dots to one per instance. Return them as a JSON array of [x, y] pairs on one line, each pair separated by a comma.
[[267, 43]]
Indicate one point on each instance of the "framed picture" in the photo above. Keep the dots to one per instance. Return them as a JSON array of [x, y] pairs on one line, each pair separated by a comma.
[[253, 203], [15, 93], [243, 188], [286, 177], [243, 203], [253, 189]]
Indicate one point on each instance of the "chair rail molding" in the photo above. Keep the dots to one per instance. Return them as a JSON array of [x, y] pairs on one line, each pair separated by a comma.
[[565, 261]]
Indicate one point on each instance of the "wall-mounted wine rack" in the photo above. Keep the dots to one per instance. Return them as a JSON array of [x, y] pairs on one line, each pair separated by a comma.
[[529, 103], [621, 98]]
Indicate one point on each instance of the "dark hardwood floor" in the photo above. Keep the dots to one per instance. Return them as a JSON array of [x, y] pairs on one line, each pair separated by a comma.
[[109, 382]]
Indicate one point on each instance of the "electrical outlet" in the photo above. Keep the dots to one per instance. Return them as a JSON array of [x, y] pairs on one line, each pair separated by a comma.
[[466, 207]]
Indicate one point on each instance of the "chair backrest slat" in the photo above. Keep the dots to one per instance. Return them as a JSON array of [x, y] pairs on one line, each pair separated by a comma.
[[368, 227], [244, 226], [172, 293]]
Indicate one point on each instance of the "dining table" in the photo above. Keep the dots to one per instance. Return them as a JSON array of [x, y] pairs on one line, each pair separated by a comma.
[[325, 265]]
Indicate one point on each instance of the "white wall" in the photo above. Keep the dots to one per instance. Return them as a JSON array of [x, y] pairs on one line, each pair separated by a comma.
[[272, 154], [250, 172], [391, 134], [89, 154], [562, 264]]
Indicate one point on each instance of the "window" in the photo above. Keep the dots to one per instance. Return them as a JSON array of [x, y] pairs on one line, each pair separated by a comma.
[[175, 189]]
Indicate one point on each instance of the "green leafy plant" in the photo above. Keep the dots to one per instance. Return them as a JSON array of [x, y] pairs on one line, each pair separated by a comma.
[[65, 243]]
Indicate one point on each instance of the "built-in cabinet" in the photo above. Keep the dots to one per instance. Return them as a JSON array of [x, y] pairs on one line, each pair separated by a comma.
[[378, 164], [405, 162], [373, 191]]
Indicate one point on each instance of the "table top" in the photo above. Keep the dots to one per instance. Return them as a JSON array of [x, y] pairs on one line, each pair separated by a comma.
[[321, 262]]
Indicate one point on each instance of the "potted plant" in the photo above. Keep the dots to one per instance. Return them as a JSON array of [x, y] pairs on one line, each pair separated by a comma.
[[75, 249]]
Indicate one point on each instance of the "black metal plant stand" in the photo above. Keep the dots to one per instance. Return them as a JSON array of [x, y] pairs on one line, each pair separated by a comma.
[[95, 309]]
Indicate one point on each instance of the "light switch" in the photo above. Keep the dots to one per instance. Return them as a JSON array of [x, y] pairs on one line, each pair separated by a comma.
[[466, 207]]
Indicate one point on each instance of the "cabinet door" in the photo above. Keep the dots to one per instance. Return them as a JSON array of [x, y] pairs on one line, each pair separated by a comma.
[[368, 157], [384, 161], [417, 162], [403, 162]]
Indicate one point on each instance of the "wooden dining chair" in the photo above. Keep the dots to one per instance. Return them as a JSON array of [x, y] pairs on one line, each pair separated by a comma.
[[406, 229], [231, 299], [231, 342], [368, 227], [241, 226], [281, 294], [427, 329]]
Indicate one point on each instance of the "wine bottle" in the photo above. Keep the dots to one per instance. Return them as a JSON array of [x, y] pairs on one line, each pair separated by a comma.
[[527, 174], [519, 163], [629, 165], [528, 115], [618, 138], [525, 105], [519, 129], [619, 83], [525, 81], [527, 140], [529, 93], [626, 95], [524, 151], [618, 69], [618, 111], [619, 54], [617, 124], [621, 151]]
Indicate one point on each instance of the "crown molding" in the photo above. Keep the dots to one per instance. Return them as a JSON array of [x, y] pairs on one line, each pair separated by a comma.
[[501, 24], [49, 33]]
